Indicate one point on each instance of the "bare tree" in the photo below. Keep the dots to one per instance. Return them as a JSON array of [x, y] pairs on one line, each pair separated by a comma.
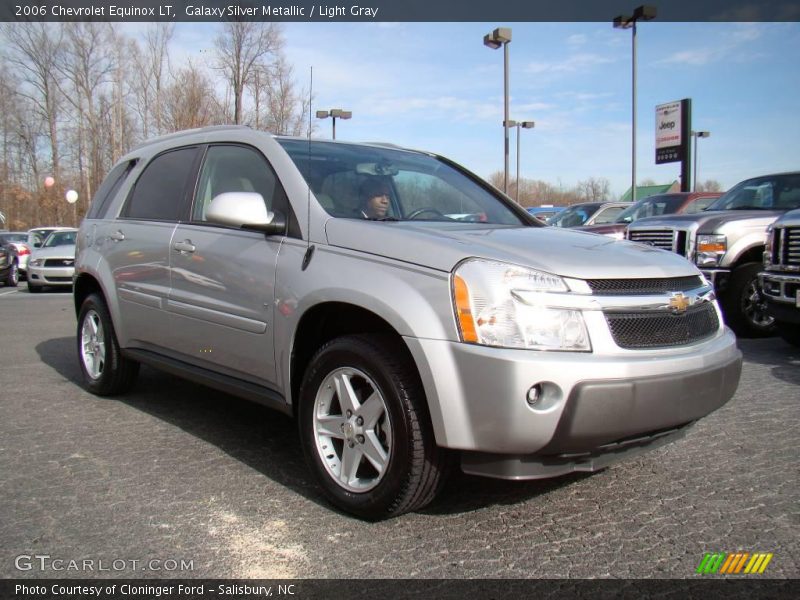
[[34, 50], [709, 185], [242, 48], [152, 58], [594, 189], [88, 67], [288, 108], [189, 101]]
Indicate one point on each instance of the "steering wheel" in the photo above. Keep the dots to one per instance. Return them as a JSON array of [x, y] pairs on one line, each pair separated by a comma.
[[421, 211]]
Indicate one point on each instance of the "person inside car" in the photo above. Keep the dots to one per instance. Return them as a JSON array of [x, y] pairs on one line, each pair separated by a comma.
[[375, 198]]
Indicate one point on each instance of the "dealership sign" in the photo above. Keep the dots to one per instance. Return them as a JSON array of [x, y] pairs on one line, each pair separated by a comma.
[[670, 134]]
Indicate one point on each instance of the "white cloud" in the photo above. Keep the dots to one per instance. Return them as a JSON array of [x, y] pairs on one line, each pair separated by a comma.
[[577, 39], [576, 62]]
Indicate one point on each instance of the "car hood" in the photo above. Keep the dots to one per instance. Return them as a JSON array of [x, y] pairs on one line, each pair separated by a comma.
[[707, 221], [564, 252], [54, 252]]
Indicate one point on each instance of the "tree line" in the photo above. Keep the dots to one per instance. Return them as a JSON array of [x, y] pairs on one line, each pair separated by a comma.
[[75, 97], [533, 192]]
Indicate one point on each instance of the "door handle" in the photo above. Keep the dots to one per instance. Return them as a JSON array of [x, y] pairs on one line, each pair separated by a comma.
[[117, 236], [184, 246]]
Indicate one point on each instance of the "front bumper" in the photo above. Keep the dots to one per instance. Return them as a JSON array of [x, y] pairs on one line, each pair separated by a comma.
[[478, 398], [782, 293], [717, 277], [50, 276]]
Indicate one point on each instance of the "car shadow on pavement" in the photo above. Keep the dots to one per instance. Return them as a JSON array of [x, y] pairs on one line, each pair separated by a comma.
[[781, 356], [267, 441]]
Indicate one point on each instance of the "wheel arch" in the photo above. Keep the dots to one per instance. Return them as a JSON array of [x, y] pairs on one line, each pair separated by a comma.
[[326, 321]]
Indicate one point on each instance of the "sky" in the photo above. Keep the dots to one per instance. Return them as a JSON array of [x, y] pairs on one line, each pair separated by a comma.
[[436, 87]]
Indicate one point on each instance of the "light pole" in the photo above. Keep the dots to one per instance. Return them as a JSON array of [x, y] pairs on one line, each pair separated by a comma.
[[642, 13], [524, 125], [502, 37], [695, 135], [334, 113]]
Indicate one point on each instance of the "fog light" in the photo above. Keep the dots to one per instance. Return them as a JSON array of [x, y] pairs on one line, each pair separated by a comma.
[[534, 395]]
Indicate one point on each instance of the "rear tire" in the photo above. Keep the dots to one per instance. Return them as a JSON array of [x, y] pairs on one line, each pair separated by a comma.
[[12, 277], [365, 428], [744, 306], [105, 371]]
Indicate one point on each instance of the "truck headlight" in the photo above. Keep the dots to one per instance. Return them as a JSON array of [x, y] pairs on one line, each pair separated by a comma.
[[710, 250], [770, 245], [499, 304]]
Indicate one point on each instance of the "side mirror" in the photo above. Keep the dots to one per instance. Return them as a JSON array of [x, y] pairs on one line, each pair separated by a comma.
[[245, 210], [37, 244]]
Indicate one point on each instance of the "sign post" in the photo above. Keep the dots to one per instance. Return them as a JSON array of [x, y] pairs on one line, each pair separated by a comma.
[[673, 137]]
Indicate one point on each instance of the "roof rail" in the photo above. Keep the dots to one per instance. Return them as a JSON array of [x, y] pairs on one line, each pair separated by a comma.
[[186, 133]]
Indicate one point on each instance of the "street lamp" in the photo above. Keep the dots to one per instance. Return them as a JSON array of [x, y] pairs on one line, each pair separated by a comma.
[[524, 125], [501, 37], [334, 113], [695, 135], [642, 13]]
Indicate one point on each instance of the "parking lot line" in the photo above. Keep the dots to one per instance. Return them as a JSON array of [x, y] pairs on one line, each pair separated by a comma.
[[8, 292]]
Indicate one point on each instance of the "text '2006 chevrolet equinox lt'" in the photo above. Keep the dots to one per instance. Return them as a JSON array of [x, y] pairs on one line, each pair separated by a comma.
[[453, 327]]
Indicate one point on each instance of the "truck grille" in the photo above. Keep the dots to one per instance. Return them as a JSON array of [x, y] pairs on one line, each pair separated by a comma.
[[636, 330], [666, 239], [611, 287], [786, 247]]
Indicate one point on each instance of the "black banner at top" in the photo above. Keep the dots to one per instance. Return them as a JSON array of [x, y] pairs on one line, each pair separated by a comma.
[[392, 10]]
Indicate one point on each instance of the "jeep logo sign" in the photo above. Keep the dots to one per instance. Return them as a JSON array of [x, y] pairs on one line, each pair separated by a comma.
[[669, 133]]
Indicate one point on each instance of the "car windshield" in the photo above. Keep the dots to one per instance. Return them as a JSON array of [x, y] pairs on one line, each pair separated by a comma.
[[573, 216], [60, 238], [772, 192], [652, 206], [414, 186], [6, 238]]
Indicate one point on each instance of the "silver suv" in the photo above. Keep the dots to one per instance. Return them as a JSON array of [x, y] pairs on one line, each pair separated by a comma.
[[447, 326]]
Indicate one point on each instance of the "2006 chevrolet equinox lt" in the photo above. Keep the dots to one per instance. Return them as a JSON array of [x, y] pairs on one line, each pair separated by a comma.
[[455, 327]]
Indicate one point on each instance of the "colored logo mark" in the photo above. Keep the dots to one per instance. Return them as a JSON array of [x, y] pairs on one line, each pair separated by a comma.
[[734, 563]]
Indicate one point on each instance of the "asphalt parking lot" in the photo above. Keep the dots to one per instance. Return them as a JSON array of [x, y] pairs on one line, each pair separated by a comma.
[[174, 472]]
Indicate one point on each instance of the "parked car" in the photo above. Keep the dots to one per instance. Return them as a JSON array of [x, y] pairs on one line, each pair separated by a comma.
[[16, 256], [654, 206], [726, 241], [588, 213], [544, 211], [9, 275], [53, 264], [780, 280], [404, 342]]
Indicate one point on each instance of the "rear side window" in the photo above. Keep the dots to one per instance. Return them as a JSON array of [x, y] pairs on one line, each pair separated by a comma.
[[109, 188], [160, 191]]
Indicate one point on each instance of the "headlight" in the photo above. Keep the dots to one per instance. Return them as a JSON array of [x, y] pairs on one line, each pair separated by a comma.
[[710, 250], [617, 235], [770, 244], [499, 304], [36, 262]]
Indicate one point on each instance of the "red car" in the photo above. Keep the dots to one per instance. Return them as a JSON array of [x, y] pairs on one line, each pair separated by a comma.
[[653, 206]]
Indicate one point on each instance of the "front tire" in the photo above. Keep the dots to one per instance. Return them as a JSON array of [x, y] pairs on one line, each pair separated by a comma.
[[365, 428], [105, 371], [33, 289], [744, 306], [12, 277]]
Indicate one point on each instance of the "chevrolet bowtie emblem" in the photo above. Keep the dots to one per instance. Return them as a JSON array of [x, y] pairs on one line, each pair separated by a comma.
[[678, 303]]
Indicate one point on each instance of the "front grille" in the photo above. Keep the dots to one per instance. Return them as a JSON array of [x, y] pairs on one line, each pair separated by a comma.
[[665, 239], [59, 262], [789, 246], [660, 330], [59, 279], [611, 287]]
